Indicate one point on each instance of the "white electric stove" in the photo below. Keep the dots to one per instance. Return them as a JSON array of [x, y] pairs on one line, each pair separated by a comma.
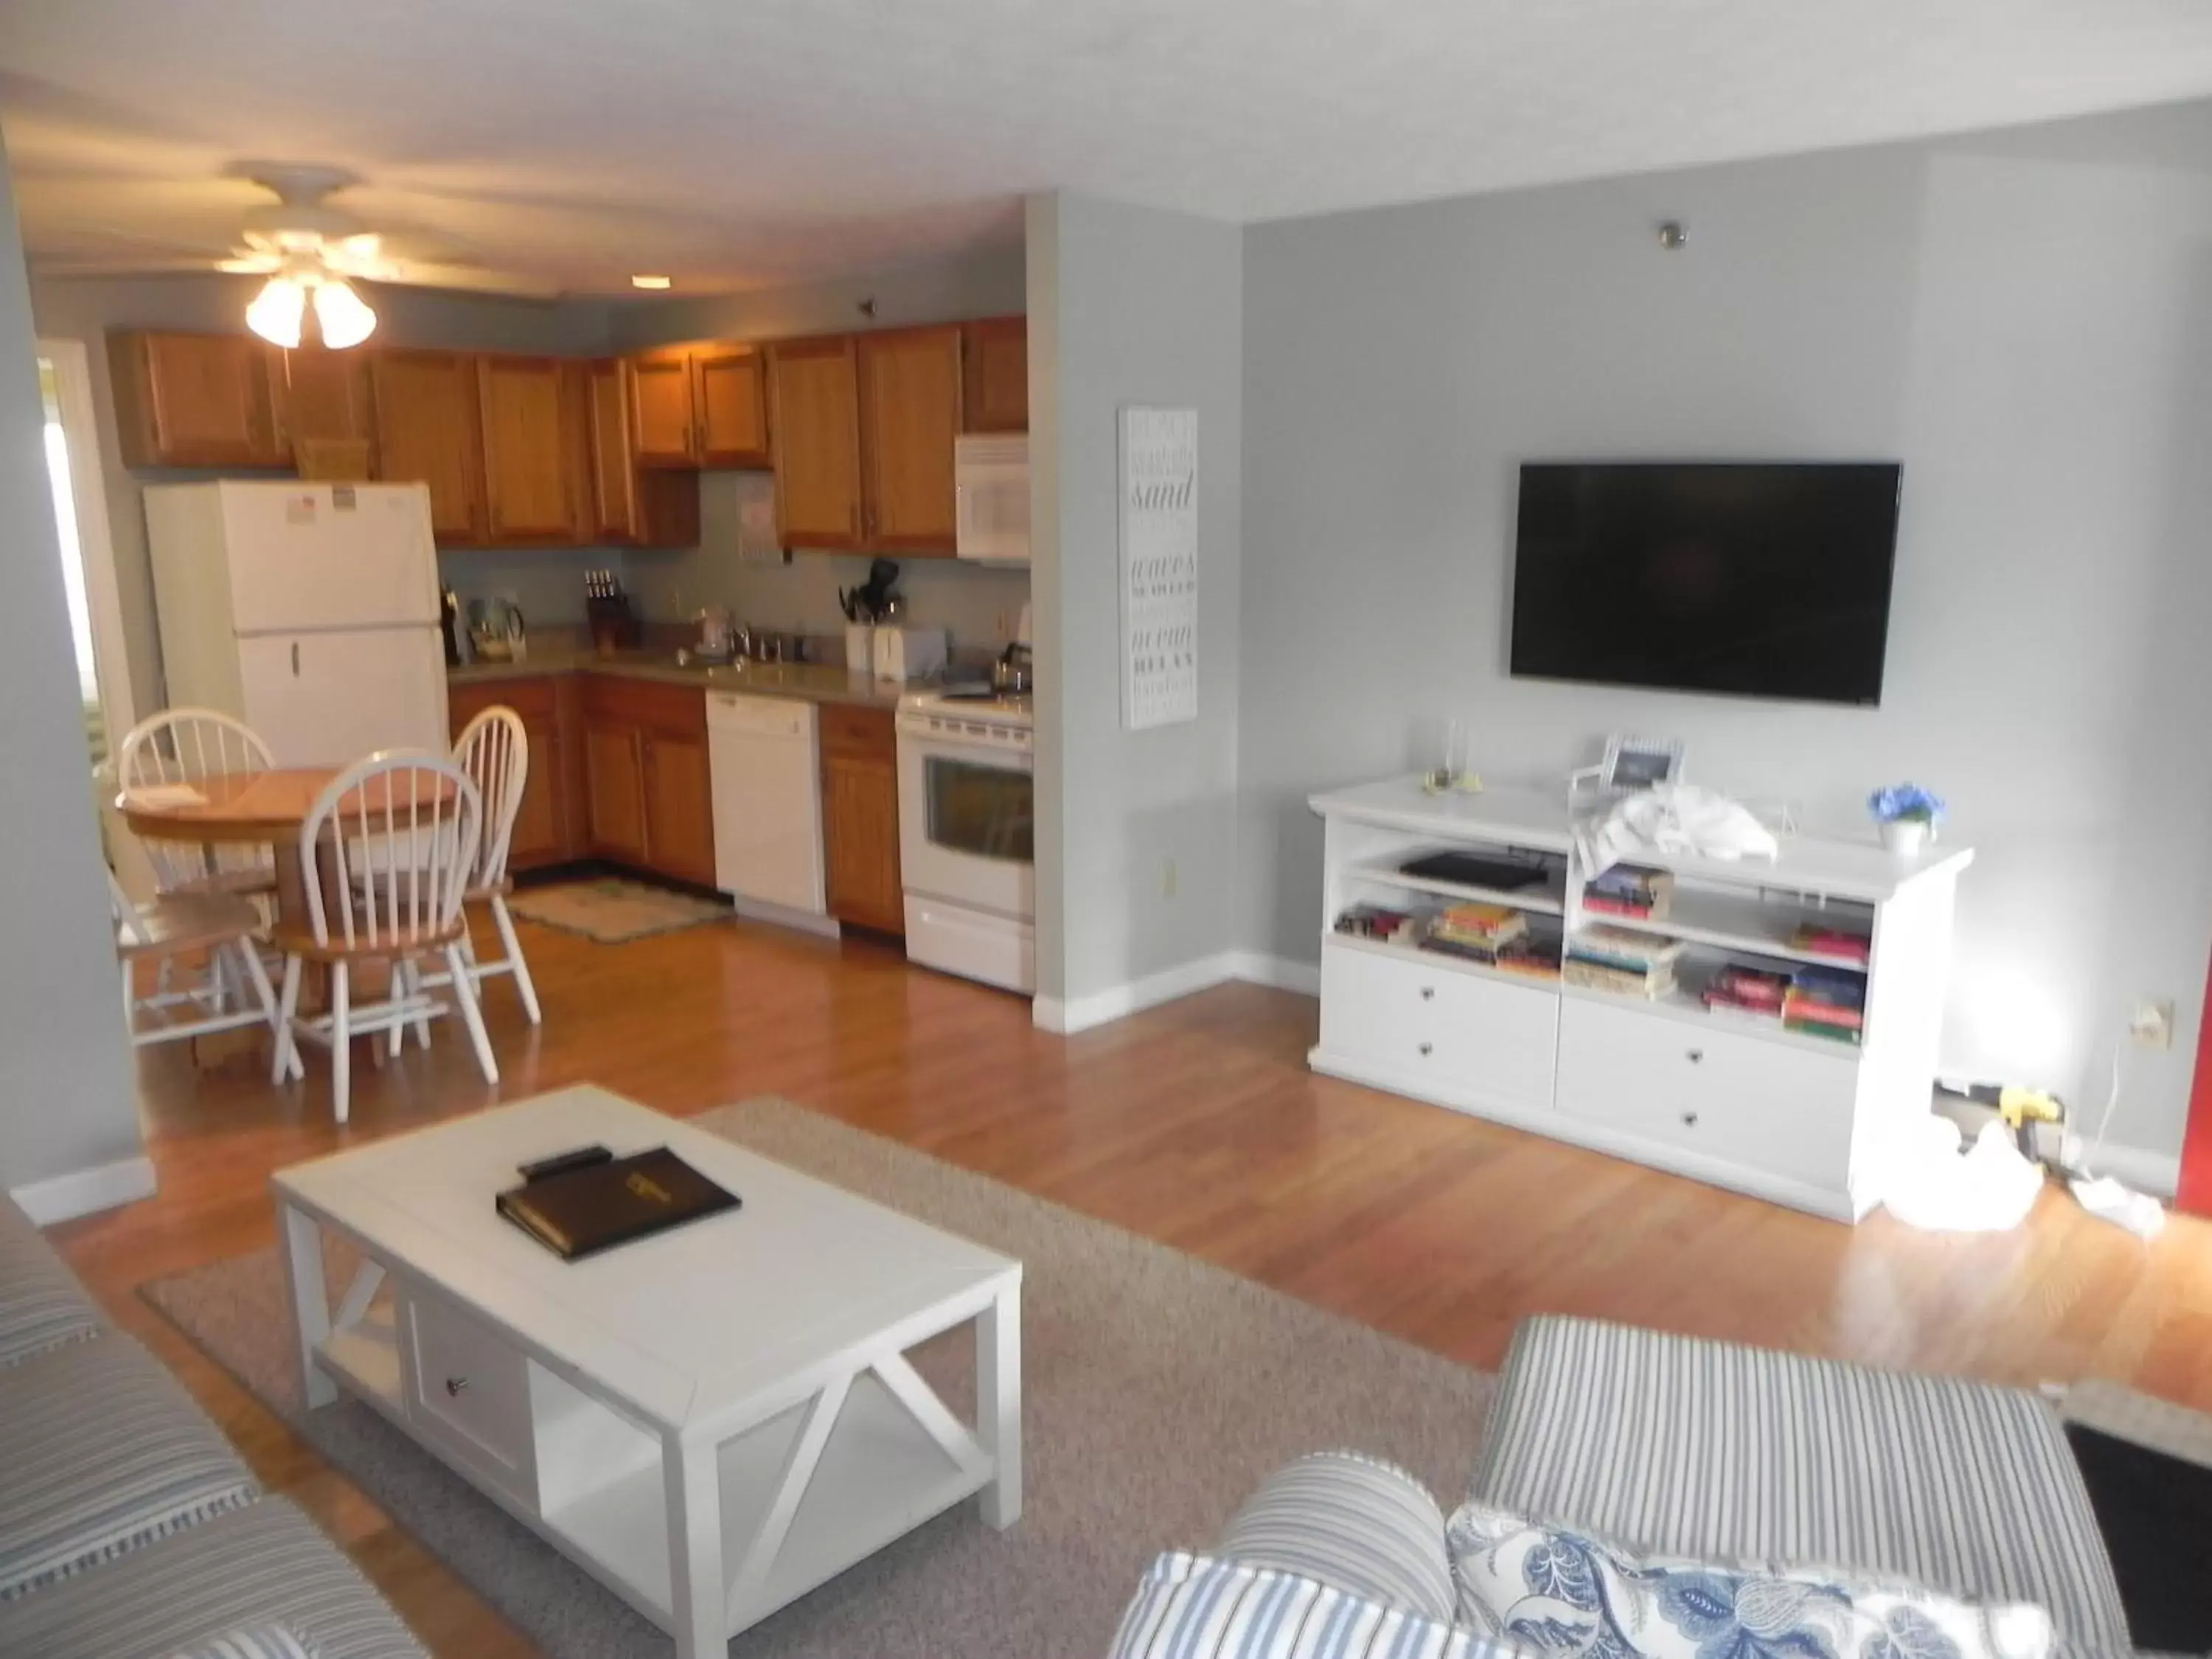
[[967, 828]]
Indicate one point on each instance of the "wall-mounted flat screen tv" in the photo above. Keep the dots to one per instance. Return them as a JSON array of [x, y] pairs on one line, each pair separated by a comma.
[[1754, 579]]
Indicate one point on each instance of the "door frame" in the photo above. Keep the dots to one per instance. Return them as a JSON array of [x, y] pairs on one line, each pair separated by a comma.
[[2194, 1194], [110, 652]]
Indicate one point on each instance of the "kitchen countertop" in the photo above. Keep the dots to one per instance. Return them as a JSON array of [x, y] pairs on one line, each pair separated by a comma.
[[808, 682]]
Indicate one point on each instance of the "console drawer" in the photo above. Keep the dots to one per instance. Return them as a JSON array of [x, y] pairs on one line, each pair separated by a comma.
[[1768, 1106], [1470, 1032], [469, 1393]]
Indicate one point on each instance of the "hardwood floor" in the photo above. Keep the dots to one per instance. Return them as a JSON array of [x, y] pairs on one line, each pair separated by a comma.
[[1196, 1124]]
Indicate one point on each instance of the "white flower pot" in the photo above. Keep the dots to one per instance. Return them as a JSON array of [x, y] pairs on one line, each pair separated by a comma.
[[1906, 837]]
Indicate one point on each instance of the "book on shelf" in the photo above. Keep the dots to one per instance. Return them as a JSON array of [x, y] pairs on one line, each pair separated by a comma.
[[1821, 1028], [1811, 1010], [1630, 890], [1650, 983], [1840, 942], [1617, 947], [1829, 985], [1374, 921], [1604, 904], [1479, 924], [1760, 987], [1519, 956]]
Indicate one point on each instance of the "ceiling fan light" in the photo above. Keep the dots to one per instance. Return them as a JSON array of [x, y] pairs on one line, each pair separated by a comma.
[[275, 312], [344, 316]]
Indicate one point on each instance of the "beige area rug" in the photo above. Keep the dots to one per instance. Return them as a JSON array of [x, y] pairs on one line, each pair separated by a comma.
[[614, 911], [1157, 1390]]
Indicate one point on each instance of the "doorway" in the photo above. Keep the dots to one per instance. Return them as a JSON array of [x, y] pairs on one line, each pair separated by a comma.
[[95, 606]]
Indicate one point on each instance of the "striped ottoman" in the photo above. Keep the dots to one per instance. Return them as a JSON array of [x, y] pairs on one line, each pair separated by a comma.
[[1686, 1447]]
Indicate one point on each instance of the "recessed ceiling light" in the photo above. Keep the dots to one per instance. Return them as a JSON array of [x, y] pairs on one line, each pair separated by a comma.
[[651, 282]]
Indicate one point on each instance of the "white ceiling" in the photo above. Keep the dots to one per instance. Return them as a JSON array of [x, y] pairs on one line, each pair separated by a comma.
[[740, 144]]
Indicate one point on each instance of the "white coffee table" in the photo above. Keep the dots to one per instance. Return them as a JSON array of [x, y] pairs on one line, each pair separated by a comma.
[[712, 1421]]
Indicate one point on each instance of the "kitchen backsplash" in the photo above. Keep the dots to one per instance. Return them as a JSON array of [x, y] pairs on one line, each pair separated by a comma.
[[547, 584], [979, 606]]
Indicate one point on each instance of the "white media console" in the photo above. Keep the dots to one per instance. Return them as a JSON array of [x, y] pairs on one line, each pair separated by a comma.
[[1802, 1120]]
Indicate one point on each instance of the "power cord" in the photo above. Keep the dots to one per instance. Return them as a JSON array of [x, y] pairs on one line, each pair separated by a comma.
[[2102, 1196]]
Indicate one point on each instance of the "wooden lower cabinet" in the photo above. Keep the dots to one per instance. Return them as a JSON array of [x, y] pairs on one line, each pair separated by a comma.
[[860, 818], [614, 758], [651, 792], [679, 808], [619, 770], [549, 824]]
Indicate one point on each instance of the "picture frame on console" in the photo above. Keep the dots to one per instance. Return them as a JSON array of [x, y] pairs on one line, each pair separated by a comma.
[[1632, 765]]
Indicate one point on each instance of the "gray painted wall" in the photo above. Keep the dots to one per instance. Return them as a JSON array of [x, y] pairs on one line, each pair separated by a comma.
[[548, 585], [1130, 305], [67, 1099], [2020, 318]]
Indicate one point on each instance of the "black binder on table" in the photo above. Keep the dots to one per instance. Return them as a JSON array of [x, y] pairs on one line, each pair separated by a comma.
[[579, 1212]]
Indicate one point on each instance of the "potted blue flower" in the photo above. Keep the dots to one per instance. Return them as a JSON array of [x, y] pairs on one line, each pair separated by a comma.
[[1908, 815]]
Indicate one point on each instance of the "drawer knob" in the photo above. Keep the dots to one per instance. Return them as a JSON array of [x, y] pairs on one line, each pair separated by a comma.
[[1428, 994], [456, 1386], [1689, 1119], [1697, 1055], [1427, 1046]]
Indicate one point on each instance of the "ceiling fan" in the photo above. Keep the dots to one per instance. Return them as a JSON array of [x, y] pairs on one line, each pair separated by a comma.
[[312, 252]]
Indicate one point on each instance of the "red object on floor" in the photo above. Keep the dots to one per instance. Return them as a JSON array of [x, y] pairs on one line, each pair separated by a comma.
[[2196, 1195]]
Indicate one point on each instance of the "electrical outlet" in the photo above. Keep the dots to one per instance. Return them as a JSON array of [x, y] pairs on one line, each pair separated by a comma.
[[2152, 1023], [1168, 879]]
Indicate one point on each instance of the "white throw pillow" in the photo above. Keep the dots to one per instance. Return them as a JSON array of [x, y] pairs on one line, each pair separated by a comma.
[[1554, 1590]]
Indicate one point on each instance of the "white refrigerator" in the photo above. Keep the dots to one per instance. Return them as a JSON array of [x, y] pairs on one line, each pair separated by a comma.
[[308, 611]]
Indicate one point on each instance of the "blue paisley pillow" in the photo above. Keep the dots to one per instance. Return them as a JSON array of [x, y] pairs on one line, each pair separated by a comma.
[[1554, 1592]]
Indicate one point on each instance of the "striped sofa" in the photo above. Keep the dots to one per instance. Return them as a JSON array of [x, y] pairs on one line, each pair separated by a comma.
[[128, 1528], [1678, 1446]]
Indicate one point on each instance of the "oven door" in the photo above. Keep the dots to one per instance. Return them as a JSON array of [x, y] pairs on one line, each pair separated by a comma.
[[967, 823]]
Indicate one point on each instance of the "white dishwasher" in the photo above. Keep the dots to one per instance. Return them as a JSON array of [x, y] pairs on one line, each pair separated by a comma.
[[768, 801]]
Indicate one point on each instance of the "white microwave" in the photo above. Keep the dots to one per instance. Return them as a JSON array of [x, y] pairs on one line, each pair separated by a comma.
[[991, 484]]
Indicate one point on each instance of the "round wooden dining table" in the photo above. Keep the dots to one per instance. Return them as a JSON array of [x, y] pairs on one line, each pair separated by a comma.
[[244, 809]]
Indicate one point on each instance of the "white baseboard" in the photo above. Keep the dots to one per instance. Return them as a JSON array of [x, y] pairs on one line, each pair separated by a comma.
[[2158, 1174], [81, 1192], [1284, 973], [1103, 1007]]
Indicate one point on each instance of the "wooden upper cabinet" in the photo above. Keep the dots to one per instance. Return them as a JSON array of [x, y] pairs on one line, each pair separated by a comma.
[[814, 403], [995, 374], [629, 505], [729, 396], [664, 426], [530, 449], [323, 398], [428, 431], [196, 399], [614, 503], [909, 382]]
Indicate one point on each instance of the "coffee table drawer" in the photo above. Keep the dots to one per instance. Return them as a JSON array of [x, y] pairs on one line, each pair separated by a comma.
[[469, 1393]]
